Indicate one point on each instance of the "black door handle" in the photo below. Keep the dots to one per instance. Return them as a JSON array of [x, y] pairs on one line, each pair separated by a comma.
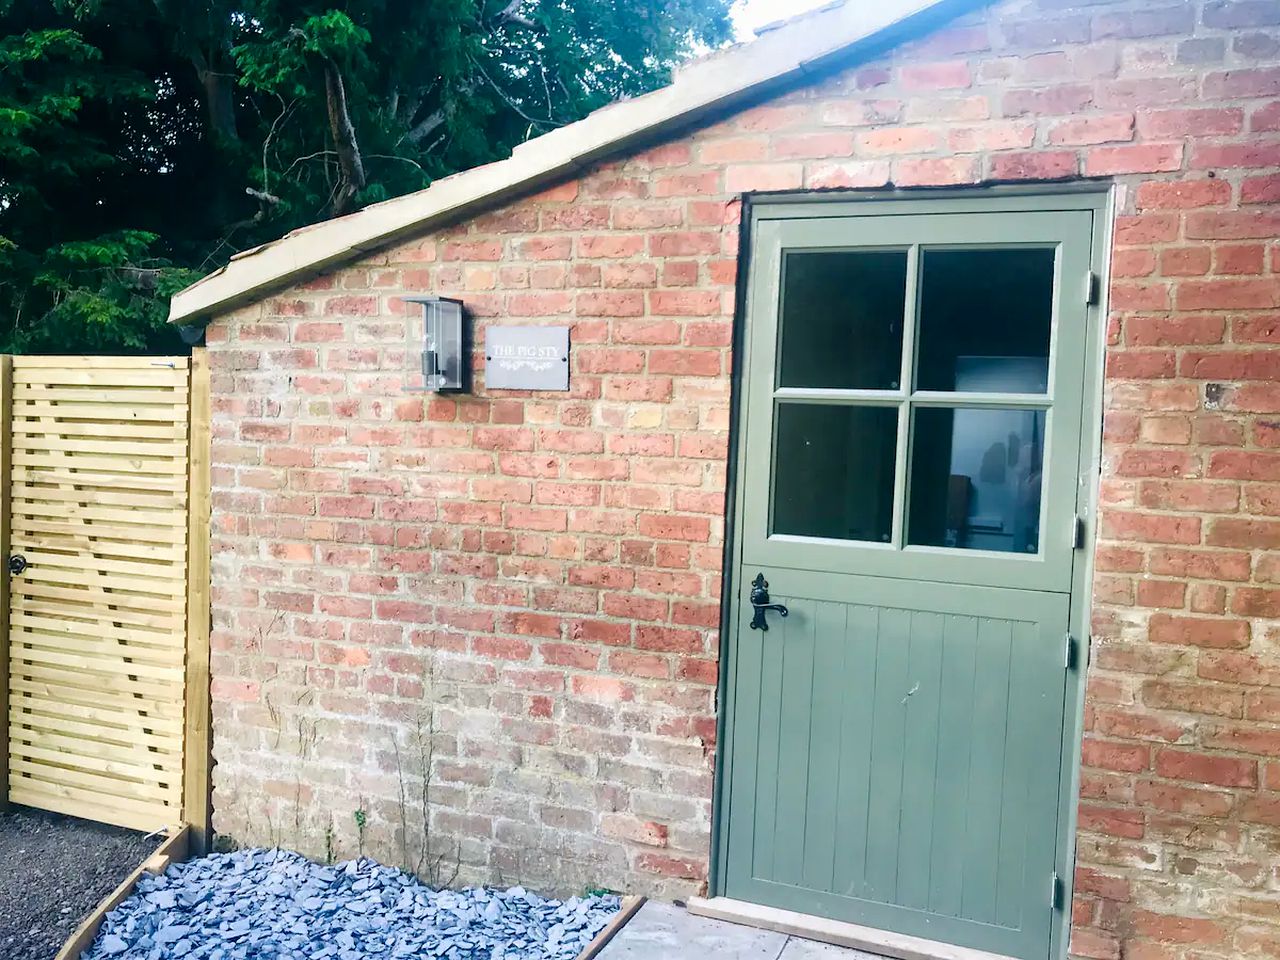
[[17, 564], [760, 602]]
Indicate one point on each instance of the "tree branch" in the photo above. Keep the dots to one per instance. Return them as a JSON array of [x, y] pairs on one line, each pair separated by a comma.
[[430, 122], [513, 104], [511, 14], [350, 162]]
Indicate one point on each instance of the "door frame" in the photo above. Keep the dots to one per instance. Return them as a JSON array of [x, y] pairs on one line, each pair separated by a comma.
[[1097, 197]]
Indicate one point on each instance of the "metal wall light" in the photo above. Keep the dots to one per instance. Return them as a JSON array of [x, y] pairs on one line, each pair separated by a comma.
[[445, 365]]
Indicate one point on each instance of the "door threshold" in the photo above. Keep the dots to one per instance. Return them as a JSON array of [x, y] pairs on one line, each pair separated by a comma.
[[836, 932]]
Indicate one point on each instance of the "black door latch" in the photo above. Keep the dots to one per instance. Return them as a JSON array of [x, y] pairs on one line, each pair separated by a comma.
[[17, 564], [760, 601]]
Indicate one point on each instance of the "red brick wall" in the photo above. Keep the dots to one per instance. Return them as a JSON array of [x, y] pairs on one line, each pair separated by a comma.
[[543, 570]]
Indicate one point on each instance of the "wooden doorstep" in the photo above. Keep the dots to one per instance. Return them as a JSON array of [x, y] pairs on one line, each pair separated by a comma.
[[173, 850], [882, 942]]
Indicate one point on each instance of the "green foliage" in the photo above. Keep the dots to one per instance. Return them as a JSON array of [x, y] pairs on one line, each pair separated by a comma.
[[144, 142]]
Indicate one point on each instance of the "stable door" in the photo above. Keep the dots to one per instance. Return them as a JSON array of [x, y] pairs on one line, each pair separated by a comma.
[[906, 541]]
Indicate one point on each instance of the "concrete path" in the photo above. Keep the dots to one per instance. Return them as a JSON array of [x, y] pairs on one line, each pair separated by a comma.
[[661, 931]]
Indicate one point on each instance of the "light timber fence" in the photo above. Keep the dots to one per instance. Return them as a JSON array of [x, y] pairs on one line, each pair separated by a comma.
[[104, 533]]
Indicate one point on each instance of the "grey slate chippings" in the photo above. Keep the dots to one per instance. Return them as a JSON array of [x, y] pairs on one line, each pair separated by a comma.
[[278, 905]]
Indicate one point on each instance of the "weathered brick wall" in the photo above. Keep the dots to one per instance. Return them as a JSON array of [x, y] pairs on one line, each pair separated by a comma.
[[535, 578]]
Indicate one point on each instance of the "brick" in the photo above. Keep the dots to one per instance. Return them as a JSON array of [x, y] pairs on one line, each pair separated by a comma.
[[1189, 495], [1146, 22], [935, 172], [1198, 631], [1035, 165], [1198, 122], [1239, 259], [813, 146], [990, 137], [1235, 84], [898, 140], [1111, 755], [745, 178], [1061, 100], [1173, 330], [1233, 225], [1146, 229], [1151, 528], [1176, 798], [1265, 118], [1208, 156], [674, 528], [1139, 158], [847, 174], [1204, 698], [1246, 534], [936, 76], [1102, 128], [1262, 189], [734, 150], [1245, 465], [1228, 294], [1183, 194], [1229, 14], [1206, 768], [1046, 32]]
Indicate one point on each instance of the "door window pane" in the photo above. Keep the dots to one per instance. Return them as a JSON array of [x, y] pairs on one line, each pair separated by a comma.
[[842, 314], [976, 477], [833, 473], [985, 320]]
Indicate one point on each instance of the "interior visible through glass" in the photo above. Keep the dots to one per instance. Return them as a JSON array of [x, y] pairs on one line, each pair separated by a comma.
[[975, 479], [985, 319], [842, 316], [833, 471]]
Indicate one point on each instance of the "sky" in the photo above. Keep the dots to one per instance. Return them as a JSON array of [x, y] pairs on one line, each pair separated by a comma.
[[749, 14]]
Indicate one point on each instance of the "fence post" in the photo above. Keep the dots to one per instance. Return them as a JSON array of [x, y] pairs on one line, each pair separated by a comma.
[[196, 806], [6, 492]]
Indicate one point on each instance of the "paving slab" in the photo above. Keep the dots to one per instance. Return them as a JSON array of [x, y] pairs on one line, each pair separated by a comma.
[[797, 949], [663, 931]]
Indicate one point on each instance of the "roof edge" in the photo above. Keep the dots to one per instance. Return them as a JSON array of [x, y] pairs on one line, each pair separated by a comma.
[[782, 55]]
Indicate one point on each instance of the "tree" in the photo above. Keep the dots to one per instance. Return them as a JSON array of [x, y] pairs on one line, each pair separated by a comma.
[[144, 142]]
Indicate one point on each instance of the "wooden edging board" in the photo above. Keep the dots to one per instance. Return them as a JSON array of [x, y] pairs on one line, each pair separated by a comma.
[[629, 907], [173, 850]]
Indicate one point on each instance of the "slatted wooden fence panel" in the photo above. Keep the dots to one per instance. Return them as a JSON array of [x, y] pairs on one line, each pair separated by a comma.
[[98, 621]]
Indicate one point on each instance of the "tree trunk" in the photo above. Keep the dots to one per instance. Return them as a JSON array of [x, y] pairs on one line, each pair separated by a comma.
[[344, 141], [219, 99]]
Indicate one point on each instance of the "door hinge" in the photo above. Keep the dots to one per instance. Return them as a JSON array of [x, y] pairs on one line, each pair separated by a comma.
[[1092, 287], [1055, 892], [1077, 531], [1077, 653]]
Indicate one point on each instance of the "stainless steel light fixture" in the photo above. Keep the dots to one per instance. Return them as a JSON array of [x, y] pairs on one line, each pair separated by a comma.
[[445, 366]]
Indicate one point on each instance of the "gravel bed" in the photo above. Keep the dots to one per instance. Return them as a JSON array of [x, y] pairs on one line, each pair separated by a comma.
[[277, 905], [56, 870]]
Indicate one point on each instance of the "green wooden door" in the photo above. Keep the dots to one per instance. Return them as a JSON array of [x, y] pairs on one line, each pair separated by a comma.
[[911, 435]]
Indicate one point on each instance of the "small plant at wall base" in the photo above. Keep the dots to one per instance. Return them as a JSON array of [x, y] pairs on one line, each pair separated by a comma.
[[442, 869], [362, 821]]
